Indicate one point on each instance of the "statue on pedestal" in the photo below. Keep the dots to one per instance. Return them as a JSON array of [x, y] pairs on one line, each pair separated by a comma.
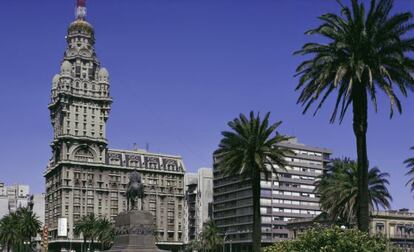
[[134, 228], [135, 190]]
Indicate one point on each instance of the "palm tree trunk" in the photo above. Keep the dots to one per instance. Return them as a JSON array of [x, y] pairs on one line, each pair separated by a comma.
[[360, 125], [257, 221], [84, 243]]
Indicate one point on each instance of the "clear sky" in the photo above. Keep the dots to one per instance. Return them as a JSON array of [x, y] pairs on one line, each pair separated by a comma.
[[180, 69]]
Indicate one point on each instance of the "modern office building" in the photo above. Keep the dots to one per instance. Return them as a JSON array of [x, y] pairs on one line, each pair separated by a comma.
[[4, 201], [189, 222], [204, 197], [84, 176], [12, 198], [37, 206], [285, 196], [198, 199]]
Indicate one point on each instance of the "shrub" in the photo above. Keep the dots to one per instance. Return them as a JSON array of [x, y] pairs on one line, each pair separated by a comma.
[[320, 239]]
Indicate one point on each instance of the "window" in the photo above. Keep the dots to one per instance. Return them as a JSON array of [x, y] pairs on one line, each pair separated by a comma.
[[265, 201], [265, 183], [379, 228], [77, 71], [153, 165], [133, 163], [114, 161], [84, 154]]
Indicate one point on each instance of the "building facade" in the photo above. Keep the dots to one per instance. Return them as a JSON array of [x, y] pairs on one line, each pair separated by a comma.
[[189, 222], [396, 225], [12, 198], [84, 176], [204, 197], [37, 206], [285, 196], [198, 199]]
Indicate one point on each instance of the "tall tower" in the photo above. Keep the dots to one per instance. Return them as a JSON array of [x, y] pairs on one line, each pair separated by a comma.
[[84, 176], [80, 101], [79, 108]]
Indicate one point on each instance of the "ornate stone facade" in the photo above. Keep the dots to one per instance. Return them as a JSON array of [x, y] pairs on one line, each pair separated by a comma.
[[84, 176]]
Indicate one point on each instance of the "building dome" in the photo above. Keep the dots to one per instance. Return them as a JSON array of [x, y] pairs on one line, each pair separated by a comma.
[[55, 81], [66, 68], [103, 74], [81, 27]]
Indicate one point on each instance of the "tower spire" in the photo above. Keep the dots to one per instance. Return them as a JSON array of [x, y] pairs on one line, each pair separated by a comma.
[[80, 9]]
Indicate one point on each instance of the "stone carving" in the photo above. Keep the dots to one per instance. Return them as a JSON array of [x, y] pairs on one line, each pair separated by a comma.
[[135, 190], [139, 229], [134, 232]]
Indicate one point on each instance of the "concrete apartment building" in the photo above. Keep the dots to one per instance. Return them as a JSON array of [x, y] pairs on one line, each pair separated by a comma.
[[37, 205], [189, 221], [198, 199], [4, 201], [12, 198], [204, 197], [288, 195], [84, 176]]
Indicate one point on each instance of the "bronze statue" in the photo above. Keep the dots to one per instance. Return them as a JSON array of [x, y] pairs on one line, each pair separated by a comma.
[[135, 190]]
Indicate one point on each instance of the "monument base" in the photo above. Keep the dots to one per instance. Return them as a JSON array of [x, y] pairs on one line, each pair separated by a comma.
[[134, 232]]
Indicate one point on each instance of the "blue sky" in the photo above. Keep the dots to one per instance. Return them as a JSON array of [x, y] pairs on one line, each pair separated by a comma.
[[179, 71]]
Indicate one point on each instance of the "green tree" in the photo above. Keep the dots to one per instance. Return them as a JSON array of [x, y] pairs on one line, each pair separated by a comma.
[[247, 151], [210, 237], [319, 239], [28, 224], [195, 245], [18, 227], [410, 165], [87, 227], [8, 232], [338, 188], [105, 233], [365, 51]]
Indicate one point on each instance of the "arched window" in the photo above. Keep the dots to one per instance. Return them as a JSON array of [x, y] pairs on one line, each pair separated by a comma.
[[84, 154], [114, 161]]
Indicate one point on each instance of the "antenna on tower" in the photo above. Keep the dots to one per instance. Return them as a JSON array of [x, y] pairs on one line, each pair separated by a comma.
[[147, 146], [134, 147], [80, 9]]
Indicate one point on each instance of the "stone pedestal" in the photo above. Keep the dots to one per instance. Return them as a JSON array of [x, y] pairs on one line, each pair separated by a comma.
[[134, 232]]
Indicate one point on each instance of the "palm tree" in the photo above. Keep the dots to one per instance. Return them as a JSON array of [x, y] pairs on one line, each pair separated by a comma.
[[87, 227], [338, 188], [105, 233], [365, 52], [410, 165], [249, 150], [8, 232], [195, 245], [211, 236], [28, 224]]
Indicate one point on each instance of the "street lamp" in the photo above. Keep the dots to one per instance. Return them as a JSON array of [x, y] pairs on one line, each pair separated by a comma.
[[26, 244], [224, 241]]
